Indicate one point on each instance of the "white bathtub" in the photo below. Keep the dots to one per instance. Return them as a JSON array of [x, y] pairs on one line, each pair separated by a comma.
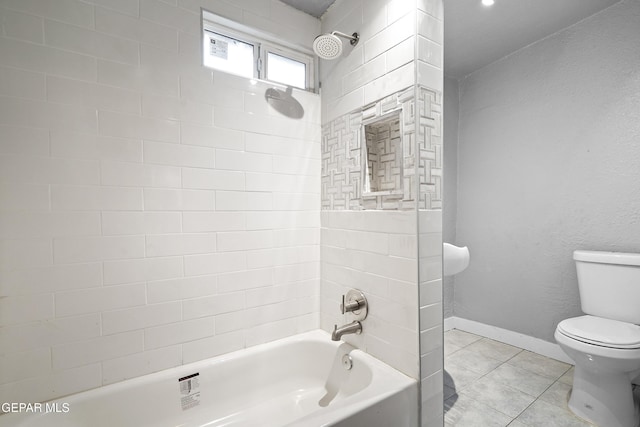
[[296, 381]]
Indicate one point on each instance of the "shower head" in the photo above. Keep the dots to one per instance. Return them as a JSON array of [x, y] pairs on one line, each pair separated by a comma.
[[329, 46]]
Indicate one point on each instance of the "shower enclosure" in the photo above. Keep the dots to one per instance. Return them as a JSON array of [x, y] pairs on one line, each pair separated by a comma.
[[155, 212]]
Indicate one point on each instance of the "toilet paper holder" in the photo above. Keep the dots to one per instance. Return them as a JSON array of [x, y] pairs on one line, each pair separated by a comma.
[[455, 259]]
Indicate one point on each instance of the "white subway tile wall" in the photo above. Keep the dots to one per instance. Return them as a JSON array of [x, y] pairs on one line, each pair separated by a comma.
[[431, 315], [150, 215], [430, 76], [357, 253], [401, 46], [381, 64]]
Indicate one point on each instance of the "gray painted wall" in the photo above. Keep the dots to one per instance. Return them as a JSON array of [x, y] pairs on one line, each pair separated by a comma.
[[549, 162], [450, 182]]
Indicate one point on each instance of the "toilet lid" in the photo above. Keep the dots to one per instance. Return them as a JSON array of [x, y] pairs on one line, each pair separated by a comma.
[[602, 332]]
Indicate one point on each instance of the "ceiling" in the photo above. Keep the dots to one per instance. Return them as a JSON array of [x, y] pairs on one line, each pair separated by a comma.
[[312, 7], [475, 35]]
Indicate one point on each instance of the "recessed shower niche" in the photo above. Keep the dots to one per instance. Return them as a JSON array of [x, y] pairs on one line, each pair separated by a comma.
[[382, 161]]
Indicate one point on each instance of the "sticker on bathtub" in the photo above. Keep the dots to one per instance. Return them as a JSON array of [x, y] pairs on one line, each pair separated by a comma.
[[189, 391]]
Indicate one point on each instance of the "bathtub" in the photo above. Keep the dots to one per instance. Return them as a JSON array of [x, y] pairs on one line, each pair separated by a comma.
[[297, 381]]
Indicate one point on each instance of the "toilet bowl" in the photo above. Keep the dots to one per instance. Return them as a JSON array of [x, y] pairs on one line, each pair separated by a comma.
[[605, 343], [602, 391]]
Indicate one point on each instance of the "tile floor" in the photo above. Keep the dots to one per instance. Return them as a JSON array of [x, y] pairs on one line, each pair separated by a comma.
[[488, 383]]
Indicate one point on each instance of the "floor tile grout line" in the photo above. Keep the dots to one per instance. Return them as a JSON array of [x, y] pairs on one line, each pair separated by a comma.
[[532, 403], [506, 385], [556, 380], [482, 376]]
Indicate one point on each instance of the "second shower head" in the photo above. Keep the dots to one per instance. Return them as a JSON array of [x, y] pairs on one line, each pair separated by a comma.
[[329, 46]]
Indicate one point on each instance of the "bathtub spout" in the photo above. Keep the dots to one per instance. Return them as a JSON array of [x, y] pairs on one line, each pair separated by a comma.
[[354, 327]]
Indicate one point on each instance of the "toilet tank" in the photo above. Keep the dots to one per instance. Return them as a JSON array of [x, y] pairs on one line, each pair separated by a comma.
[[609, 284]]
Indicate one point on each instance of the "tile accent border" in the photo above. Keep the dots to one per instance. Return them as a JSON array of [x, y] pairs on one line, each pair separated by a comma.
[[430, 148], [342, 155]]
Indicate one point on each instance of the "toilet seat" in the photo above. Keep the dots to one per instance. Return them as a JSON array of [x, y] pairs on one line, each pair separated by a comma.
[[601, 332]]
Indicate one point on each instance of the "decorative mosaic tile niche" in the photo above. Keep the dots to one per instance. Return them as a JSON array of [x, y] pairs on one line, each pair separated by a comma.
[[382, 151], [379, 158]]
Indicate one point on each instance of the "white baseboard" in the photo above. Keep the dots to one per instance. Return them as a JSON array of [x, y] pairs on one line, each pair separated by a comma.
[[449, 323], [535, 345]]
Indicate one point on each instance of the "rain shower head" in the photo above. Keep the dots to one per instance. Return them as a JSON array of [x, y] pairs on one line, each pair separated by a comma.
[[329, 46]]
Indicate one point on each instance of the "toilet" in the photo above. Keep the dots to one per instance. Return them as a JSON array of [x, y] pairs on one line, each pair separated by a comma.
[[605, 342]]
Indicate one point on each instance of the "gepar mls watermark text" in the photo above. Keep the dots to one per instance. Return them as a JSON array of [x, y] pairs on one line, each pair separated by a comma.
[[56, 407]]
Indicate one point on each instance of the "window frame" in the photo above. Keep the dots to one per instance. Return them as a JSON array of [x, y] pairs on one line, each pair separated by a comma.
[[267, 48], [262, 43]]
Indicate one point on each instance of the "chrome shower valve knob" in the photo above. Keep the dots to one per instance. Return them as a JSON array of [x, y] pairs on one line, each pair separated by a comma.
[[349, 306], [354, 302]]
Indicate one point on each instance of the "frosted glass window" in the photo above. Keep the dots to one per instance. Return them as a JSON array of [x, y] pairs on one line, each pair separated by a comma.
[[229, 54], [286, 70]]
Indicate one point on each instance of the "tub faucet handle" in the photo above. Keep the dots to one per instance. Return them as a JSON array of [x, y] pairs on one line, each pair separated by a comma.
[[349, 306], [354, 302]]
